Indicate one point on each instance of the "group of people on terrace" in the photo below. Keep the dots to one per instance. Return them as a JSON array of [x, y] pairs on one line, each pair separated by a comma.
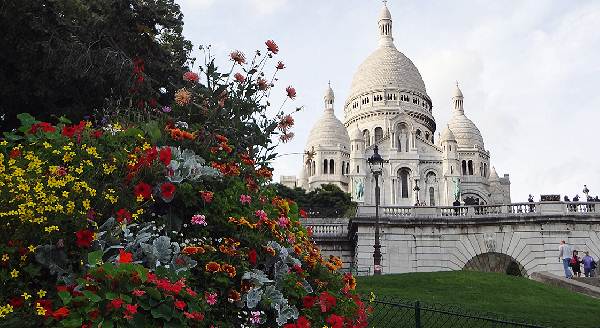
[[572, 262]]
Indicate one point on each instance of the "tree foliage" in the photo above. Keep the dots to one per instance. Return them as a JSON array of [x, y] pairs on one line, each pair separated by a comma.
[[66, 57], [326, 201]]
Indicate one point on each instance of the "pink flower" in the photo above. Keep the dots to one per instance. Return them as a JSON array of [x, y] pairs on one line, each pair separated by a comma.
[[211, 298], [138, 292], [262, 84], [272, 46], [239, 77], [238, 57], [286, 137], [245, 199], [283, 221], [261, 215], [280, 65], [291, 92], [199, 219], [190, 77], [255, 318]]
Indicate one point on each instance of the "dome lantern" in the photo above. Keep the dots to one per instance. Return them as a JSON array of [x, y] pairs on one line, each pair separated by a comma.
[[457, 100], [329, 98], [385, 27]]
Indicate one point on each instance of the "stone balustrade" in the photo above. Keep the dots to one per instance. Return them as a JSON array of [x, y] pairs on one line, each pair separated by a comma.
[[528, 208]]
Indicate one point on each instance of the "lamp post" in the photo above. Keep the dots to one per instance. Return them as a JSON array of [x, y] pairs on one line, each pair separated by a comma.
[[376, 165], [416, 189]]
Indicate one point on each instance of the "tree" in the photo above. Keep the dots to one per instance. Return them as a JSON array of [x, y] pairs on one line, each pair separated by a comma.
[[326, 201], [66, 57]]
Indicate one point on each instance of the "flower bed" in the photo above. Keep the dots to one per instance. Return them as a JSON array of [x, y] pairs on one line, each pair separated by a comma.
[[162, 216]]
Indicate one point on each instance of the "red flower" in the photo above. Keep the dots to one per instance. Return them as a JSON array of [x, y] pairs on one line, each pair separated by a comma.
[[190, 77], [239, 77], [131, 309], [207, 196], [335, 321], [123, 215], [238, 57], [116, 303], [138, 292], [262, 84], [180, 304], [61, 313], [167, 190], [16, 301], [97, 134], [44, 126], [291, 92], [165, 155], [308, 301], [272, 46], [303, 213], [69, 131], [252, 256], [142, 189], [125, 257], [280, 65], [84, 238], [326, 301], [14, 153], [301, 323]]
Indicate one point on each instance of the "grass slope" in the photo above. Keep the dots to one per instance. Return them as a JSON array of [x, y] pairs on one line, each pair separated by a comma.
[[513, 298]]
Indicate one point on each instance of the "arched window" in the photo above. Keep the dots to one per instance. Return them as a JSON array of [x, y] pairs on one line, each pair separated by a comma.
[[427, 136], [357, 169], [450, 147], [431, 196], [470, 166], [451, 169], [343, 168], [378, 134], [367, 137], [404, 175], [314, 168], [331, 166], [464, 167], [324, 166], [418, 132], [485, 169], [347, 168]]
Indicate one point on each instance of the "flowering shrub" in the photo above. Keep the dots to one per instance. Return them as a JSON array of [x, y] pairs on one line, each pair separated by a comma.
[[164, 217]]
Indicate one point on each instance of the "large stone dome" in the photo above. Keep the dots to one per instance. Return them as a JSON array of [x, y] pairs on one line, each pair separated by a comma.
[[387, 67]]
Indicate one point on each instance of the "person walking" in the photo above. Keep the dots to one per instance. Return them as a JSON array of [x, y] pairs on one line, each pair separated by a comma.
[[564, 254], [588, 262], [576, 264]]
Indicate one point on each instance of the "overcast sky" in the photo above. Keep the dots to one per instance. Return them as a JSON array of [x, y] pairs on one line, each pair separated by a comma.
[[529, 71]]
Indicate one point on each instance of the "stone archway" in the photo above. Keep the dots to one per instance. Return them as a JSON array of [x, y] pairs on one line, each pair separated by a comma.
[[496, 262]]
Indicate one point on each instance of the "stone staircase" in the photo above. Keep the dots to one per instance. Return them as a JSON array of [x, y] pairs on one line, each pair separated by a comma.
[[590, 287]]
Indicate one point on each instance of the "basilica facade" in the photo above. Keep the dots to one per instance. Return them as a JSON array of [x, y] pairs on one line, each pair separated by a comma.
[[388, 107]]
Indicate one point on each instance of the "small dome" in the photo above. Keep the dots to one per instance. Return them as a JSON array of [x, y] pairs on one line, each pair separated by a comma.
[[328, 131], [329, 94], [465, 132], [457, 93], [355, 133], [447, 135], [385, 13]]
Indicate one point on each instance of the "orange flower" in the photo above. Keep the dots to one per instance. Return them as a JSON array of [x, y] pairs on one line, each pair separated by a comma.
[[229, 269], [297, 250], [233, 296], [183, 97], [212, 267], [191, 250], [270, 250]]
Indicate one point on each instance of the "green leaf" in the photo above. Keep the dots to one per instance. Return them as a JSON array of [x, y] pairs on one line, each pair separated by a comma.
[[64, 120], [12, 137], [163, 311], [26, 119], [65, 297], [72, 322], [94, 258], [151, 128], [92, 296], [110, 295]]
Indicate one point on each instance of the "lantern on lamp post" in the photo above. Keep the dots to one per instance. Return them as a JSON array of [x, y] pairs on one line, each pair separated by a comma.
[[376, 165]]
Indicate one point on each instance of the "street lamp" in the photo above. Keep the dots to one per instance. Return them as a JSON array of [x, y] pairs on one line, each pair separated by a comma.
[[376, 166], [416, 189]]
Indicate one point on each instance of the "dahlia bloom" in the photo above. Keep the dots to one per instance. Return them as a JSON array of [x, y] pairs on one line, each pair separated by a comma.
[[183, 97], [199, 219], [272, 46], [238, 57], [291, 92], [191, 77]]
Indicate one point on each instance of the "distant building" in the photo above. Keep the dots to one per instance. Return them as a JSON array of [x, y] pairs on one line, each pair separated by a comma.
[[288, 181], [388, 106]]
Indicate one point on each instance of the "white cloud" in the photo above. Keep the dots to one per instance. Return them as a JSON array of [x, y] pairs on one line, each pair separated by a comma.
[[266, 7]]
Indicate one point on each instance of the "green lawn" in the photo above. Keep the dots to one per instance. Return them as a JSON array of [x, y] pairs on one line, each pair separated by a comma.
[[511, 297]]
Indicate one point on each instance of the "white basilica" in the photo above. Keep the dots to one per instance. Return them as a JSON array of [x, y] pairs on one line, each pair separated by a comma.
[[389, 107]]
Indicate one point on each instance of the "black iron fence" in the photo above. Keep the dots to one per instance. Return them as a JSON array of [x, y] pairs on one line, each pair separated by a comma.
[[395, 313]]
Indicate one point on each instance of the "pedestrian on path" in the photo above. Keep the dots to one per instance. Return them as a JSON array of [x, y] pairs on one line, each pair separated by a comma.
[[564, 254], [588, 263]]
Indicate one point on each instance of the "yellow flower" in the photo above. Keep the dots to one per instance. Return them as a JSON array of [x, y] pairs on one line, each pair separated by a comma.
[[47, 145], [140, 198], [26, 296], [14, 273], [23, 257], [3, 143], [31, 248], [5, 257], [51, 228], [371, 297], [40, 310], [41, 293]]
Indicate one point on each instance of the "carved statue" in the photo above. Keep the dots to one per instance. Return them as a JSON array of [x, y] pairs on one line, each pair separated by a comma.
[[359, 189], [456, 182]]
